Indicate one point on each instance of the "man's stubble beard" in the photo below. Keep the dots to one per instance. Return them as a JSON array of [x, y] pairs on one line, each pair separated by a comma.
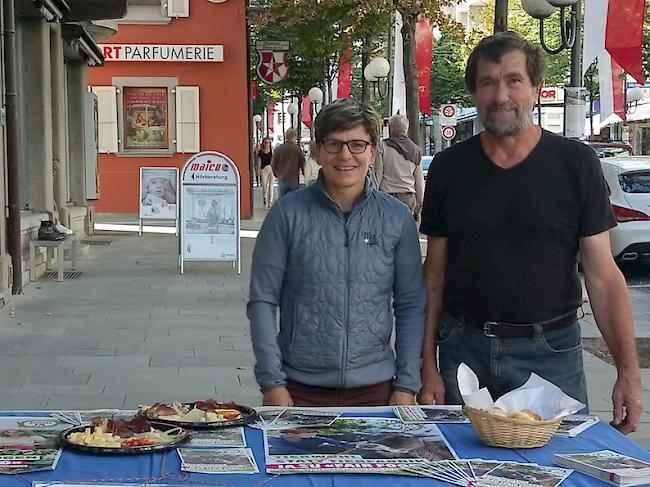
[[523, 118]]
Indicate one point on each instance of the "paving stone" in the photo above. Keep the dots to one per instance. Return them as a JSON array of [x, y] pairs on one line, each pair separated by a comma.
[[84, 401]]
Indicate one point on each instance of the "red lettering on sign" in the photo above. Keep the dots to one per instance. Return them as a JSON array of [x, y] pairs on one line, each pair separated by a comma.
[[194, 166], [217, 167], [547, 94], [108, 52]]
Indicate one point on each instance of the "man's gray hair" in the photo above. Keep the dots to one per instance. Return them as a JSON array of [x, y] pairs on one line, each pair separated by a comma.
[[290, 134], [398, 125]]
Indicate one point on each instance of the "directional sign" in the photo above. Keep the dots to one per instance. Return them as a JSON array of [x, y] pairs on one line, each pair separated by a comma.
[[448, 132], [448, 114]]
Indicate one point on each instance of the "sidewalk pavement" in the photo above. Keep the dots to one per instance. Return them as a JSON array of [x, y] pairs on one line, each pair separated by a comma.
[[131, 330]]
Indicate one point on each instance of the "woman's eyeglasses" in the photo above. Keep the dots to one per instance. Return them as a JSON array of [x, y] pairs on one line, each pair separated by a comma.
[[334, 146]]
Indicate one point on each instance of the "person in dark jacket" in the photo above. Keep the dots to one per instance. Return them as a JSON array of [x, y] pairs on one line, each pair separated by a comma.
[[342, 262]]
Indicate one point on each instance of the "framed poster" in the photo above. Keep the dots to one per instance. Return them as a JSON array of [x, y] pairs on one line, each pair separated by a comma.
[[209, 217], [146, 118], [158, 193]]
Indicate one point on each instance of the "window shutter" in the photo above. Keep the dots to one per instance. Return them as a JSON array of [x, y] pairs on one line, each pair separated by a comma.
[[106, 118], [178, 8], [187, 119]]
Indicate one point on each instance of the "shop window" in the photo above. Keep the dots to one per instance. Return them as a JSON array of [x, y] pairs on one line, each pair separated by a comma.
[[155, 11], [140, 116]]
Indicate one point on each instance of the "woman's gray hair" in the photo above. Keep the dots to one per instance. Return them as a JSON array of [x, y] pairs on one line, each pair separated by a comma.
[[398, 125], [345, 114]]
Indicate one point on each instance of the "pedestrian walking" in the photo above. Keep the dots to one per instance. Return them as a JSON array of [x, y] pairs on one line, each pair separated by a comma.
[[264, 156], [507, 212], [336, 259], [397, 169], [288, 162], [311, 165]]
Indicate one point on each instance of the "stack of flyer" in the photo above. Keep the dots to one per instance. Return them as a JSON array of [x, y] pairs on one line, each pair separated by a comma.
[[218, 451], [431, 414], [217, 460], [609, 466], [478, 472], [575, 424], [293, 418]]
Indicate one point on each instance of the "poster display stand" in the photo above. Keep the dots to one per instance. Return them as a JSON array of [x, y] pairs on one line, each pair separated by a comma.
[[158, 195], [210, 214]]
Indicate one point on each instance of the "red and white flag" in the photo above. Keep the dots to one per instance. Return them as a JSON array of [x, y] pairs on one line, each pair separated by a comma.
[[617, 27], [610, 78]]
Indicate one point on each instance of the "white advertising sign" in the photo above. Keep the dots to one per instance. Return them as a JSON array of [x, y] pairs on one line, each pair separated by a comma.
[[158, 193], [210, 210], [195, 53], [448, 114]]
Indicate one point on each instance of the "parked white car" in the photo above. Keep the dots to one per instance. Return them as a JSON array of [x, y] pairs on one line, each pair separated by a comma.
[[628, 180]]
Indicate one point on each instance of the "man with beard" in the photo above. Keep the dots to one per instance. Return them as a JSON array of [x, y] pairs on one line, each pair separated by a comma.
[[397, 169], [507, 213]]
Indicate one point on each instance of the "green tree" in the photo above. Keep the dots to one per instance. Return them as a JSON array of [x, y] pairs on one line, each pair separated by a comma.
[[448, 67]]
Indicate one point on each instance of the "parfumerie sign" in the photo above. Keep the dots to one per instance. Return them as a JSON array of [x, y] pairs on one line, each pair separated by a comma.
[[196, 53]]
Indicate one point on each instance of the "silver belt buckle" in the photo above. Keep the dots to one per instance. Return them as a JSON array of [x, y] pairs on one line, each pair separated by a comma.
[[487, 329]]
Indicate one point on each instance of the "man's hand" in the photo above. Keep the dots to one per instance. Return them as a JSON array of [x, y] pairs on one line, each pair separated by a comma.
[[626, 399], [401, 398], [433, 387], [277, 396]]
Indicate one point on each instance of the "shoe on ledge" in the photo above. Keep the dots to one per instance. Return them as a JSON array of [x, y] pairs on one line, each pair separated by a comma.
[[48, 231]]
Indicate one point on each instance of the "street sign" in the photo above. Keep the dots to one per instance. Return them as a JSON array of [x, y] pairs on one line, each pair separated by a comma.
[[448, 132], [448, 114]]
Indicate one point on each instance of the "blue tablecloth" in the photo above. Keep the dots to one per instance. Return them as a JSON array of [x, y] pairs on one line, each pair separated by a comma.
[[163, 468]]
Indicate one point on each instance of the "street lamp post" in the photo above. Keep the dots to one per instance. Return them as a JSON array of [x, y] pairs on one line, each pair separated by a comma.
[[315, 95], [376, 73], [574, 93], [292, 109], [257, 118]]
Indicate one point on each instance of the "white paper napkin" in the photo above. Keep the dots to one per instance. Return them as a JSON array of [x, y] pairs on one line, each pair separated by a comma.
[[537, 394]]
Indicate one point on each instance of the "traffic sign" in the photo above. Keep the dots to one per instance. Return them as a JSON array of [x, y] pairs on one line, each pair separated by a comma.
[[448, 132], [448, 114]]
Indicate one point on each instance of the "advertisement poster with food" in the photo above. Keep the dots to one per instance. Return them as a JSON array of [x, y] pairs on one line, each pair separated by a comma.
[[145, 118], [159, 193]]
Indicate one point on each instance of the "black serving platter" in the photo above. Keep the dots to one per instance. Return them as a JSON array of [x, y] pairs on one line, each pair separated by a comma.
[[249, 415], [181, 438]]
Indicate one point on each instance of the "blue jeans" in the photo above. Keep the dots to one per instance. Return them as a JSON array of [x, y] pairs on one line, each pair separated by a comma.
[[503, 364], [285, 187]]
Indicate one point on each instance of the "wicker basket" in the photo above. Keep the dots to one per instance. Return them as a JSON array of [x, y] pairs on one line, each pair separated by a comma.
[[506, 432]]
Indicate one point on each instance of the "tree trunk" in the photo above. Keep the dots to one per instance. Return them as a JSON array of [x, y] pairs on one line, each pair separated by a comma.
[[411, 77], [365, 59]]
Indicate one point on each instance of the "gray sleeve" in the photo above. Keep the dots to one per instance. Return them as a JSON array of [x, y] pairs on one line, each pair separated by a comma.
[[409, 302], [267, 275], [418, 175], [377, 173]]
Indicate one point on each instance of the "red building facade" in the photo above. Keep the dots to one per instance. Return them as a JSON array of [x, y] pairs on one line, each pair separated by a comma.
[[173, 84]]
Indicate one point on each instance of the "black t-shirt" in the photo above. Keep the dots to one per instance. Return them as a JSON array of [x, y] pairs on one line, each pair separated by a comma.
[[514, 234], [265, 158]]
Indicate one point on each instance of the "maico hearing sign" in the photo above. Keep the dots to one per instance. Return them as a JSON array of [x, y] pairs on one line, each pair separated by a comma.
[[210, 210]]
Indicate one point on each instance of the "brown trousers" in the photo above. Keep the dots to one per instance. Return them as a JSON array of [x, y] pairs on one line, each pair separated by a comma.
[[374, 395]]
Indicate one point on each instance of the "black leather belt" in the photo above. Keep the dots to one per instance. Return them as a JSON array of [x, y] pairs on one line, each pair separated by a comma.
[[496, 329]]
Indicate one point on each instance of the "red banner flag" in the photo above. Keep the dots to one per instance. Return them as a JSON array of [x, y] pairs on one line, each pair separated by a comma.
[[253, 90], [345, 73], [306, 111], [270, 116], [423, 46], [624, 35]]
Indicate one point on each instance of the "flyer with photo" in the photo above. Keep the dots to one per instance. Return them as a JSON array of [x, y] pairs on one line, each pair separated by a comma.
[[524, 475], [218, 460], [294, 417], [575, 424], [431, 414], [159, 193], [29, 444], [227, 437], [393, 467], [368, 438]]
